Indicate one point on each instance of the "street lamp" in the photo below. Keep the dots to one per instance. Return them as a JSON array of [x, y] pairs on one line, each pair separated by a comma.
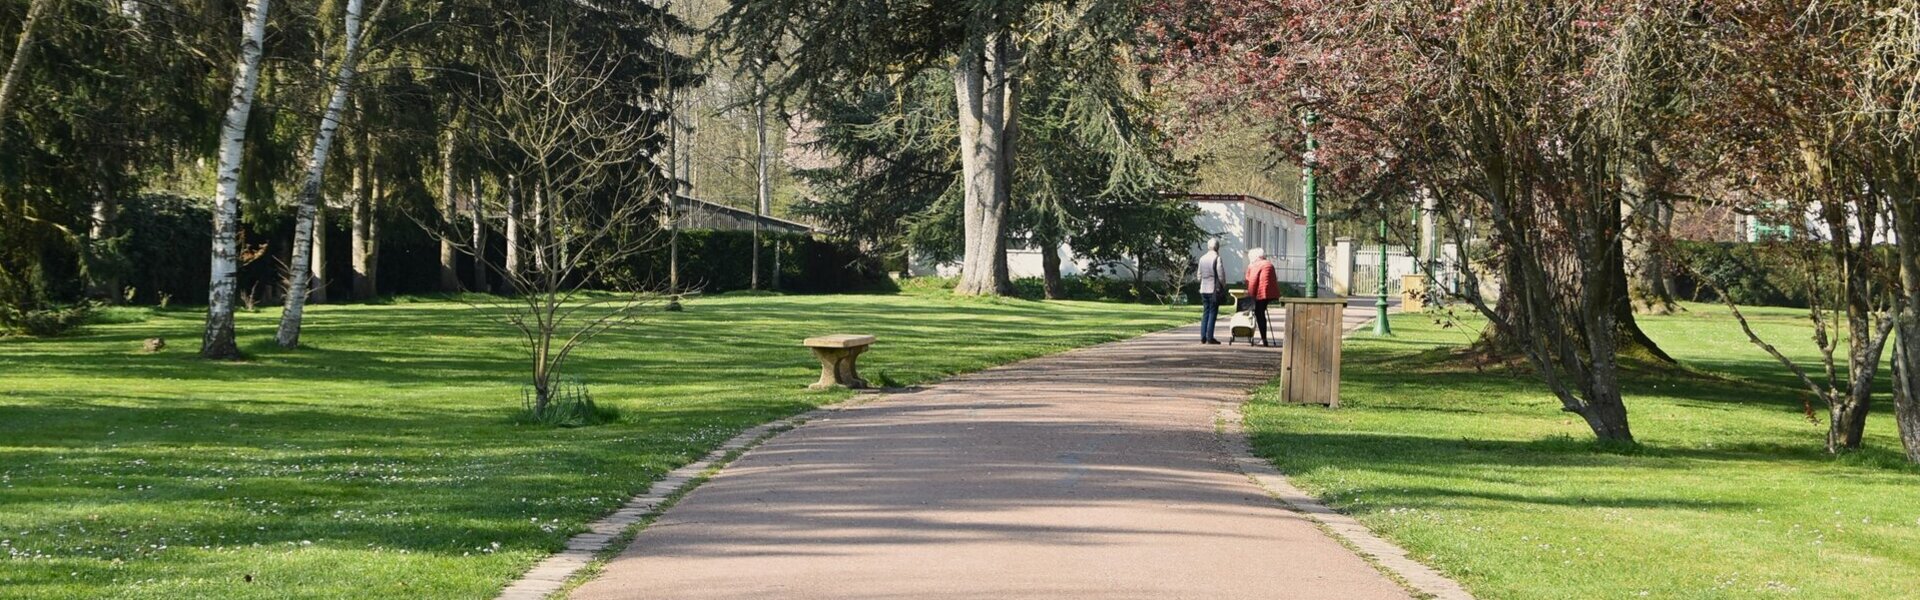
[[1380, 325], [1310, 203]]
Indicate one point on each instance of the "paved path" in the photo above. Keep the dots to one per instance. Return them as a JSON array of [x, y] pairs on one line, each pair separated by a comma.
[[1091, 474]]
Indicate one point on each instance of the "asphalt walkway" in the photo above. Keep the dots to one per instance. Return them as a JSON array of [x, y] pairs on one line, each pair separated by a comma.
[[1095, 473]]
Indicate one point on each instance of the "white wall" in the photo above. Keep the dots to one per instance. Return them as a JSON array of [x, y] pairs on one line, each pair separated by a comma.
[[1234, 223], [1241, 226], [1226, 221]]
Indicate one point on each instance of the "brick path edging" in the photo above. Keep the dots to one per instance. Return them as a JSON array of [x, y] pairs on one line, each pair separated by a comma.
[[551, 574], [1384, 554]]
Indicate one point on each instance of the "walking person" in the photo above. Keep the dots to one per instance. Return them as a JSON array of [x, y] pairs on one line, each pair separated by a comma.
[[1263, 287], [1213, 285]]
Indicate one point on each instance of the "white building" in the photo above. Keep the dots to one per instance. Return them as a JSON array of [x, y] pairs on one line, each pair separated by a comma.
[[1241, 222], [1813, 226]]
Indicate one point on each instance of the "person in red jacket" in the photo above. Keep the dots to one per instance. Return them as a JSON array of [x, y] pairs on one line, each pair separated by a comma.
[[1263, 286]]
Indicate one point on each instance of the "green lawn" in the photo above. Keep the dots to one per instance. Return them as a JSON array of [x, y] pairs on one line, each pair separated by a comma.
[[1729, 496], [382, 461]]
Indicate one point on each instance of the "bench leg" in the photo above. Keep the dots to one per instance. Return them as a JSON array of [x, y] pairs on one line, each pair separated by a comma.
[[837, 368]]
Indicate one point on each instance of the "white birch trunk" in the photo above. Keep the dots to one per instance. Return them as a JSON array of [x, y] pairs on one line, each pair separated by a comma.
[[479, 236], [513, 232], [763, 188], [319, 293], [218, 341], [449, 266], [10, 84], [362, 287], [541, 239], [303, 228]]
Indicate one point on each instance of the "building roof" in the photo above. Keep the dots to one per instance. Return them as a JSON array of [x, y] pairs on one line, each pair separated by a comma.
[[1240, 198], [745, 215]]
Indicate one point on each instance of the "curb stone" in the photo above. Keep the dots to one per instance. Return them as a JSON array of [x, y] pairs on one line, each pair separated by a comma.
[[550, 575], [1384, 554]]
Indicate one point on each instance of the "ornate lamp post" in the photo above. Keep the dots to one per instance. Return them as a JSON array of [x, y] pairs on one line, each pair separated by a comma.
[[1380, 325], [1310, 201]]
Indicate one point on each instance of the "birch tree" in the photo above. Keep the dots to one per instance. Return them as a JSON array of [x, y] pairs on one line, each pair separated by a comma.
[[218, 342], [321, 148], [16, 66]]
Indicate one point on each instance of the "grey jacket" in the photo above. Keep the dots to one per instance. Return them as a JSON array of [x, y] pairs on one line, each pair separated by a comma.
[[1212, 276]]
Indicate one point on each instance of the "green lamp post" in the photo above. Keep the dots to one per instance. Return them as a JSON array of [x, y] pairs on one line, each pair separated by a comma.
[[1310, 201], [1380, 325]]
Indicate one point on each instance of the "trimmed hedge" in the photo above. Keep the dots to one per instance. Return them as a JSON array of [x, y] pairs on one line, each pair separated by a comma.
[[166, 248], [713, 262]]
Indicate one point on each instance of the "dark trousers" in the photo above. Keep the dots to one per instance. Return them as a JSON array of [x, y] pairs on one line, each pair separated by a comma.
[[1209, 313], [1260, 318]]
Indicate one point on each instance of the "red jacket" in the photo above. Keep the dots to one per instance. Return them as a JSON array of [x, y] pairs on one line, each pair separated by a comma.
[[1262, 282]]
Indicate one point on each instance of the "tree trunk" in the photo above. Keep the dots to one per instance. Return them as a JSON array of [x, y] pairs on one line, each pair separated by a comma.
[[218, 342], [10, 83], [761, 188], [309, 200], [360, 205], [1633, 339], [513, 234], [1865, 345], [1906, 351], [1906, 391], [479, 236], [1608, 418], [980, 81], [102, 286], [1646, 233], [541, 235], [1056, 287], [376, 194], [449, 265], [319, 294]]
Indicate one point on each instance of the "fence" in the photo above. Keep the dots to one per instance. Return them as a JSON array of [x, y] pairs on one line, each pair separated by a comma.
[[1366, 271]]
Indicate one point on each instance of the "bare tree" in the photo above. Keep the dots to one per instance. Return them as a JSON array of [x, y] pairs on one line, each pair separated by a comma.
[[309, 201], [1890, 74], [577, 137], [218, 342], [1794, 134]]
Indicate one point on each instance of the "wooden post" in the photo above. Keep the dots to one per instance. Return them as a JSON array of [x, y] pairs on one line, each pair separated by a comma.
[[1311, 371]]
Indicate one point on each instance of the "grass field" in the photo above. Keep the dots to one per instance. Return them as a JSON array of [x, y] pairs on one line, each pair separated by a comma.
[[382, 461], [1729, 495]]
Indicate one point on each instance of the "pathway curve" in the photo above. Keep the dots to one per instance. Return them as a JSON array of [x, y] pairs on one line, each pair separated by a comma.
[[1095, 473]]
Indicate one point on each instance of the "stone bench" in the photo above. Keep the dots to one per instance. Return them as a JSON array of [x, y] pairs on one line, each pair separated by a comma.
[[837, 354]]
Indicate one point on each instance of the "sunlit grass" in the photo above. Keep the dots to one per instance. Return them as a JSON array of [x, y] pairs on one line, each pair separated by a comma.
[[1729, 495], [382, 461]]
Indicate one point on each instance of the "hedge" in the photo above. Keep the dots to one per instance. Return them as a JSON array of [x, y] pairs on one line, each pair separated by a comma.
[[714, 261], [166, 254]]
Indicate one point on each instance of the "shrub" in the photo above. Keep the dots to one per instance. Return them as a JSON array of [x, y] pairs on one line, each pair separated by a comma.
[[1752, 274], [570, 405], [44, 322]]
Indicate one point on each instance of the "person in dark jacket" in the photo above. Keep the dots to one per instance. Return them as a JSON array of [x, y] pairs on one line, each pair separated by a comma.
[[1263, 287]]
